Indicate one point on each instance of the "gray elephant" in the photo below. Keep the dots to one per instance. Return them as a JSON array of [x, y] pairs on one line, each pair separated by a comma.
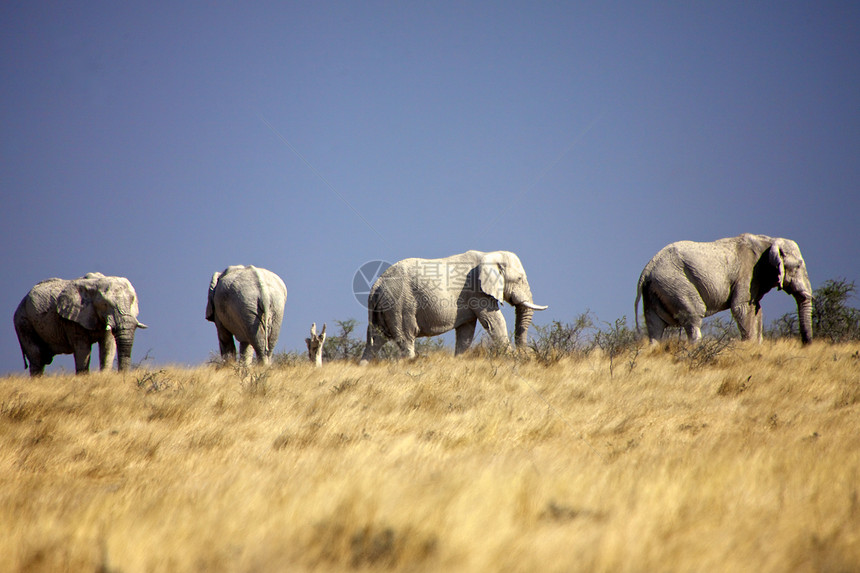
[[67, 316], [428, 297], [687, 281], [247, 303]]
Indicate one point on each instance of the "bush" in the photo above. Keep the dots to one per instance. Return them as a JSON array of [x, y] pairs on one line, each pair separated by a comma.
[[556, 341], [152, 381], [289, 358], [720, 328], [832, 318], [616, 341], [424, 346], [718, 335], [345, 346], [253, 379], [712, 327]]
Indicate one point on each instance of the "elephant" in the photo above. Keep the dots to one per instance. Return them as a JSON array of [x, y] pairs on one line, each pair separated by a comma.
[[428, 297], [247, 302], [67, 316], [687, 281]]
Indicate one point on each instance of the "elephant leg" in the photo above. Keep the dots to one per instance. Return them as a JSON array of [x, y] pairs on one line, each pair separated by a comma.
[[745, 317], [35, 356], [274, 333], [225, 343], [375, 342], [264, 355], [264, 341], [494, 323], [465, 335], [692, 323], [655, 325], [107, 352], [694, 331], [407, 347], [246, 352], [38, 360], [82, 352], [657, 316], [758, 336]]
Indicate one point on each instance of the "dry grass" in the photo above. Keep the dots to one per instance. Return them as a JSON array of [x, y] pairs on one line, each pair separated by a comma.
[[472, 464]]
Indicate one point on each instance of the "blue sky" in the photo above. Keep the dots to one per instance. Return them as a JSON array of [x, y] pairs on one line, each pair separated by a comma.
[[163, 143]]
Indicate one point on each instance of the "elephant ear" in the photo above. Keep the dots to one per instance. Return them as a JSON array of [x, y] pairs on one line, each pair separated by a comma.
[[492, 277], [133, 307], [76, 304], [776, 260], [210, 304]]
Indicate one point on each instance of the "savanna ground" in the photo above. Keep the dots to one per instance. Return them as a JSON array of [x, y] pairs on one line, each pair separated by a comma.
[[477, 463]]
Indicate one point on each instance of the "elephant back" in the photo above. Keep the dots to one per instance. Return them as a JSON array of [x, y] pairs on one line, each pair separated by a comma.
[[240, 289]]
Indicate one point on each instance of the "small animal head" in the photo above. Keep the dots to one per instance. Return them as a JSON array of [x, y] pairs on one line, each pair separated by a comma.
[[315, 344]]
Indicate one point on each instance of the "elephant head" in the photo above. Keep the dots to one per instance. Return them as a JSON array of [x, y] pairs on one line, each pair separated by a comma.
[[791, 275], [100, 303], [503, 277]]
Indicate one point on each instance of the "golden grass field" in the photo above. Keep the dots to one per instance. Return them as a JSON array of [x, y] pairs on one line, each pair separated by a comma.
[[457, 464]]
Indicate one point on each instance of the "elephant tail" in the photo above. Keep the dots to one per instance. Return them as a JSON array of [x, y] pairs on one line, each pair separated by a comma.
[[18, 328], [265, 319], [370, 329], [377, 331], [639, 288], [375, 320], [24, 354]]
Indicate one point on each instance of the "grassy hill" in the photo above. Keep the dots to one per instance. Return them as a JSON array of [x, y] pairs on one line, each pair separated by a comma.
[[478, 463]]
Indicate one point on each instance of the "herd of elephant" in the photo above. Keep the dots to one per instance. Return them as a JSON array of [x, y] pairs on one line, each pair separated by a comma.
[[681, 285]]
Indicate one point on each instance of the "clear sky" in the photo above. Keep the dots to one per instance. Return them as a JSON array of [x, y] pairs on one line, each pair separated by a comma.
[[164, 141]]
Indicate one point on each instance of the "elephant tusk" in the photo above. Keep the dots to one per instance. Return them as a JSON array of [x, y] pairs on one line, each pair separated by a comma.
[[534, 306], [141, 325]]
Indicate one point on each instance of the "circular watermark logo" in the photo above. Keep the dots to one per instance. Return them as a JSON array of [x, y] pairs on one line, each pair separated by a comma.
[[364, 278]]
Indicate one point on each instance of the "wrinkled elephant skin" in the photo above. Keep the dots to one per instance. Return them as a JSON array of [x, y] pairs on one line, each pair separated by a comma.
[[428, 297], [246, 303], [687, 281], [68, 316]]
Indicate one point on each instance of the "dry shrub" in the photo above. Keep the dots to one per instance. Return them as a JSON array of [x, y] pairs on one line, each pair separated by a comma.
[[704, 353]]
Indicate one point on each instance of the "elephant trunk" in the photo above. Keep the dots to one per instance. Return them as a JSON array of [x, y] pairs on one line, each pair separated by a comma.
[[804, 314], [523, 322], [124, 341]]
